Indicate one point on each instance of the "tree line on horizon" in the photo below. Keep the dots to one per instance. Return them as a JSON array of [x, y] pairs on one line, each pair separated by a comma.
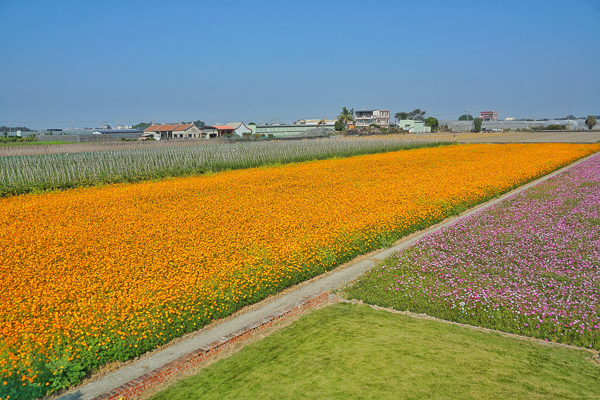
[[14, 128], [143, 125]]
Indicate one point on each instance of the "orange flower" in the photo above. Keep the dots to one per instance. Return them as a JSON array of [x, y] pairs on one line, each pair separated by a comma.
[[101, 268]]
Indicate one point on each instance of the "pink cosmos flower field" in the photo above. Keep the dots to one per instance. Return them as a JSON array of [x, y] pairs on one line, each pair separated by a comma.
[[529, 264]]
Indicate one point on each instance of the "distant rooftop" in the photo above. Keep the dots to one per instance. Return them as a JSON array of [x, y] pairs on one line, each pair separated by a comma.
[[366, 111], [166, 127], [117, 131], [218, 127]]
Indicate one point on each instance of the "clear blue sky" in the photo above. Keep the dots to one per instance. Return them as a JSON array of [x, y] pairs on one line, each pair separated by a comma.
[[131, 61]]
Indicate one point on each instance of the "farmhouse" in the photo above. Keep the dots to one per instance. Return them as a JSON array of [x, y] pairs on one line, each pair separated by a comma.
[[175, 131], [217, 131], [368, 117]]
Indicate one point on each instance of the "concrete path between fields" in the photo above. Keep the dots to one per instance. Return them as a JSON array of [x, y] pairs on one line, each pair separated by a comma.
[[333, 280]]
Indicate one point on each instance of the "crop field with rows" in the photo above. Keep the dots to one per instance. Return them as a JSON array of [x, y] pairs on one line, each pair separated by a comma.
[[138, 162], [94, 275], [528, 265]]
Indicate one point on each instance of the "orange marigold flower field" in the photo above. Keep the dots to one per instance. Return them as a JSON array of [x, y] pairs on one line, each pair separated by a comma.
[[94, 275]]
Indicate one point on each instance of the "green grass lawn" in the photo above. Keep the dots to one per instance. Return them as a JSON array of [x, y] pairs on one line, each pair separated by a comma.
[[346, 351], [33, 143]]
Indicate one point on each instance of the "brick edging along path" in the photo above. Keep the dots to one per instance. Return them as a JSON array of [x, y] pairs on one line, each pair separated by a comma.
[[138, 386]]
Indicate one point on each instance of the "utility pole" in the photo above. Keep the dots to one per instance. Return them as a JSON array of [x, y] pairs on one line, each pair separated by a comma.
[[467, 120], [568, 120]]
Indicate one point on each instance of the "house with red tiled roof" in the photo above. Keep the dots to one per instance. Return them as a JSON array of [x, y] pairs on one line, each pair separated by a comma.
[[151, 128], [175, 131], [217, 131], [187, 131]]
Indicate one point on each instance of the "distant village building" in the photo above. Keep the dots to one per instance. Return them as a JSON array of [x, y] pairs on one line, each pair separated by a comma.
[[175, 131], [488, 115], [239, 128], [413, 126], [116, 131], [217, 131], [187, 131], [368, 117], [295, 129], [328, 122]]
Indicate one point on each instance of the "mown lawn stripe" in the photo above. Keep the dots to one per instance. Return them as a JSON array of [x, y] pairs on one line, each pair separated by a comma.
[[348, 351]]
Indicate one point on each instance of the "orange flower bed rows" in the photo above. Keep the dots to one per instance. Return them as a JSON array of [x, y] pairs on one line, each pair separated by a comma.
[[94, 275]]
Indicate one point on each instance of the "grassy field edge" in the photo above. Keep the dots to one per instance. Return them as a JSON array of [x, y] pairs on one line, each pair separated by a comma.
[[354, 351]]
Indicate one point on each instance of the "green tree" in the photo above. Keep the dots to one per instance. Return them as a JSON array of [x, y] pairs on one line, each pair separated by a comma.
[[339, 126], [477, 122], [416, 114], [142, 125], [347, 116], [401, 115], [433, 123], [552, 127], [199, 124], [464, 117], [590, 121]]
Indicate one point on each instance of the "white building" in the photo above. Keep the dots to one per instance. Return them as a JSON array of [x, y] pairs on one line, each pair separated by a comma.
[[367, 117], [175, 131], [488, 115], [413, 126], [239, 128]]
